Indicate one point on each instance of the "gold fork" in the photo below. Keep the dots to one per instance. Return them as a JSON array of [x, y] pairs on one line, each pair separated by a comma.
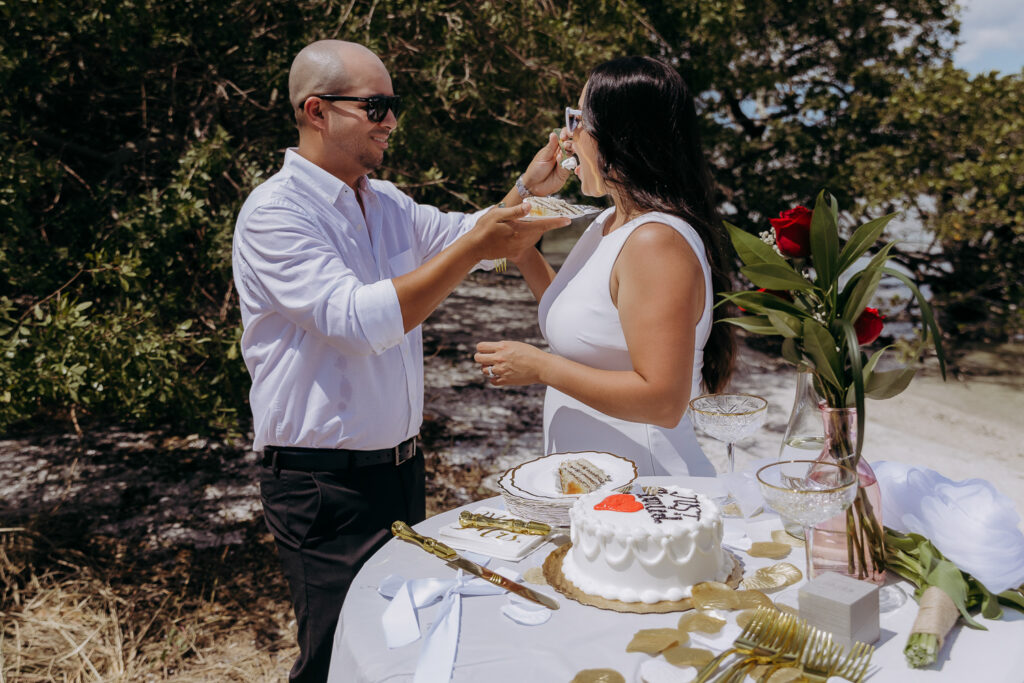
[[791, 653], [783, 637], [744, 643], [501, 265], [855, 665], [819, 657]]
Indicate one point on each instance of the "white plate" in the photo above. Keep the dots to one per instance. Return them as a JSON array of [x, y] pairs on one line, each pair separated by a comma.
[[538, 479]]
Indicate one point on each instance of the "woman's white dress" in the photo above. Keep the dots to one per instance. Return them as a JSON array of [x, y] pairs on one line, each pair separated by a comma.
[[580, 322]]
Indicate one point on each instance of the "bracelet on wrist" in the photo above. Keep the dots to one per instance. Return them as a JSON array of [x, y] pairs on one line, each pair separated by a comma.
[[521, 188]]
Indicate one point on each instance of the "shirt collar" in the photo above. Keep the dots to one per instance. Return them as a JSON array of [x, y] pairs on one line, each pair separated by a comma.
[[330, 187]]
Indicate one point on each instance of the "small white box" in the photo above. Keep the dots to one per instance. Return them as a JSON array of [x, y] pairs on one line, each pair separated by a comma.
[[845, 607]]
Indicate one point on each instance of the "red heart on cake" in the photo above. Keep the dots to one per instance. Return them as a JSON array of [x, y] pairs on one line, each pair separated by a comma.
[[620, 502]]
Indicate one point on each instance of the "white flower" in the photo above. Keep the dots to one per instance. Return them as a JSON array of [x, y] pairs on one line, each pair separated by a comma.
[[768, 237]]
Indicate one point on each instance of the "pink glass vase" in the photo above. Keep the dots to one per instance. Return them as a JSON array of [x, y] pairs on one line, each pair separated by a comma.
[[852, 543]]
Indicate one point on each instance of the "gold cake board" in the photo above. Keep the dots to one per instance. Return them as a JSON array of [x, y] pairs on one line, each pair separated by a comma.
[[556, 579]]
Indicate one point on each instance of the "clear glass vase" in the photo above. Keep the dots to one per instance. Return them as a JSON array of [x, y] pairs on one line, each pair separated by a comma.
[[805, 436], [852, 543]]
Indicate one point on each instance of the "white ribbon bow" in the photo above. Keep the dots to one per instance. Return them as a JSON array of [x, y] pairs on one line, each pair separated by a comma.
[[401, 618]]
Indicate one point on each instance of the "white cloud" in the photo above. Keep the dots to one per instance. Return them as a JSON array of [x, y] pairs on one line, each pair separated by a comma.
[[991, 32]]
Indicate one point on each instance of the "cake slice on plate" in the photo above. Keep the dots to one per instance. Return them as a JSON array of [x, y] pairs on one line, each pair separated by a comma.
[[580, 476]]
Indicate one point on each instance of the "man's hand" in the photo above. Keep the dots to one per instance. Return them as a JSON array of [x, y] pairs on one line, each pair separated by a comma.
[[500, 233], [545, 174]]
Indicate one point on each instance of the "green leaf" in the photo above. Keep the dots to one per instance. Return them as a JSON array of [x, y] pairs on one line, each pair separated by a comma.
[[788, 326], [926, 315], [882, 385], [824, 240], [861, 240], [990, 608], [790, 352], [757, 302], [771, 276], [1014, 597], [864, 284], [822, 348], [945, 575], [853, 353], [758, 324], [751, 249]]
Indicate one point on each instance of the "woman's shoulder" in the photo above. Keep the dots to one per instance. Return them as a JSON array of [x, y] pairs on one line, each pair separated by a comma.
[[657, 230]]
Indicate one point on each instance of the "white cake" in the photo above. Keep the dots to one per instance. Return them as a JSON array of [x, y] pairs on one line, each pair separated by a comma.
[[654, 554]]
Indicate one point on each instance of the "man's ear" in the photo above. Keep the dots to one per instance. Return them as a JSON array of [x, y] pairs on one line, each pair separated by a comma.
[[311, 108]]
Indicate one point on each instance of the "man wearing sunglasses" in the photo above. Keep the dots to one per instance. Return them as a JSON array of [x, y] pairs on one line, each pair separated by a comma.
[[335, 272]]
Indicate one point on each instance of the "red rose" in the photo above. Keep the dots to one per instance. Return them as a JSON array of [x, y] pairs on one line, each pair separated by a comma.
[[868, 325], [781, 293], [793, 231]]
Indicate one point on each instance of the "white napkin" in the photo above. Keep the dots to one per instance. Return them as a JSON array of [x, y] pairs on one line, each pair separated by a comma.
[[744, 487], [969, 521], [502, 545]]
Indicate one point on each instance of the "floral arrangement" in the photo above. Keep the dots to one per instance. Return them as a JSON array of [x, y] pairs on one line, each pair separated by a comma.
[[810, 294], [798, 268]]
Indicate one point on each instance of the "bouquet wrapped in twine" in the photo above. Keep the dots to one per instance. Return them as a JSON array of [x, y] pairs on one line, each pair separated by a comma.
[[959, 542], [944, 594]]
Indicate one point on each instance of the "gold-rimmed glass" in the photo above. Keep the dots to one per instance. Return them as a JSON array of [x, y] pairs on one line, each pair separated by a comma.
[[807, 492], [729, 418]]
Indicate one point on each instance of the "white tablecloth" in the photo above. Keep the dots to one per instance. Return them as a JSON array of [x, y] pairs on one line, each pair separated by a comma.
[[494, 649]]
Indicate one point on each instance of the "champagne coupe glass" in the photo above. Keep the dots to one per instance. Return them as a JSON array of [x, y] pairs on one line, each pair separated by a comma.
[[807, 492], [729, 418]]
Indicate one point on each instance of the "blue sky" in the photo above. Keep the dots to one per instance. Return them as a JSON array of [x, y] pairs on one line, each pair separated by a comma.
[[992, 33]]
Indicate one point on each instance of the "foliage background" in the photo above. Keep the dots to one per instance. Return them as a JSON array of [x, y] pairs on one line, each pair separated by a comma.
[[134, 129]]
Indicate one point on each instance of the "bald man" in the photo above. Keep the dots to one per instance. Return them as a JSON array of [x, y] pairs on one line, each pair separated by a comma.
[[335, 272]]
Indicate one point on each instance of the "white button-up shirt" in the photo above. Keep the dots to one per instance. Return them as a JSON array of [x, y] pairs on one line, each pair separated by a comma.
[[323, 336]]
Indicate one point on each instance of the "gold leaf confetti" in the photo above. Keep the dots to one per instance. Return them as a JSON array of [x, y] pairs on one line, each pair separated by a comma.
[[786, 675], [771, 550], [782, 607], [773, 578], [656, 640], [688, 656], [598, 676], [745, 617], [535, 575], [780, 536], [731, 510], [712, 595], [698, 621]]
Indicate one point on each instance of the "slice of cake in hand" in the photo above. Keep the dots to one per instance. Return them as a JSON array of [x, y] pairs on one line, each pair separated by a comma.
[[580, 476]]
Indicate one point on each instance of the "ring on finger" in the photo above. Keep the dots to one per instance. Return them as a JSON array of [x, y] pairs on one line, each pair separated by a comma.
[[489, 371]]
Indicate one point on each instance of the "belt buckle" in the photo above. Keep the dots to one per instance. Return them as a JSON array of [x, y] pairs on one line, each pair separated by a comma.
[[398, 452]]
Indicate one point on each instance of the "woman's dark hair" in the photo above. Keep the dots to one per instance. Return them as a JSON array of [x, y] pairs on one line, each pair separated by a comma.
[[642, 117]]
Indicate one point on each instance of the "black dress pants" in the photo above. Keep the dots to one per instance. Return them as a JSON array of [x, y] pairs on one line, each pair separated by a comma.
[[327, 524]]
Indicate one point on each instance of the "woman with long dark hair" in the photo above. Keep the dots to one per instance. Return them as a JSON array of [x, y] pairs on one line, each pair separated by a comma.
[[629, 316]]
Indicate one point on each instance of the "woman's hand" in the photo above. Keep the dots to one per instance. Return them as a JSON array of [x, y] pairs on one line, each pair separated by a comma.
[[510, 363], [545, 174]]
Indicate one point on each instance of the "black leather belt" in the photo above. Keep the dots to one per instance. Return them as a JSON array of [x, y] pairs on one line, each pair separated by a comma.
[[328, 459]]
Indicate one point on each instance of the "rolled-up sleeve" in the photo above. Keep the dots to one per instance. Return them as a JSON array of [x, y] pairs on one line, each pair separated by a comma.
[[298, 274]]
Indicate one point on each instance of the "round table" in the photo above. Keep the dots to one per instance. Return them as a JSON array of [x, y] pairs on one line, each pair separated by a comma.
[[495, 649]]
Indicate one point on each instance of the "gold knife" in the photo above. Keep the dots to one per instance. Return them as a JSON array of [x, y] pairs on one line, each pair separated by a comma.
[[516, 526], [454, 560]]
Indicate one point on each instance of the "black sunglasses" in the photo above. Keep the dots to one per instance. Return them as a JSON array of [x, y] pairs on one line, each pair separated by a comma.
[[376, 105]]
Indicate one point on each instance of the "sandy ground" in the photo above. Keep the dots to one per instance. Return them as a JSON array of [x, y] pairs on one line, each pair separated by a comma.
[[962, 428]]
